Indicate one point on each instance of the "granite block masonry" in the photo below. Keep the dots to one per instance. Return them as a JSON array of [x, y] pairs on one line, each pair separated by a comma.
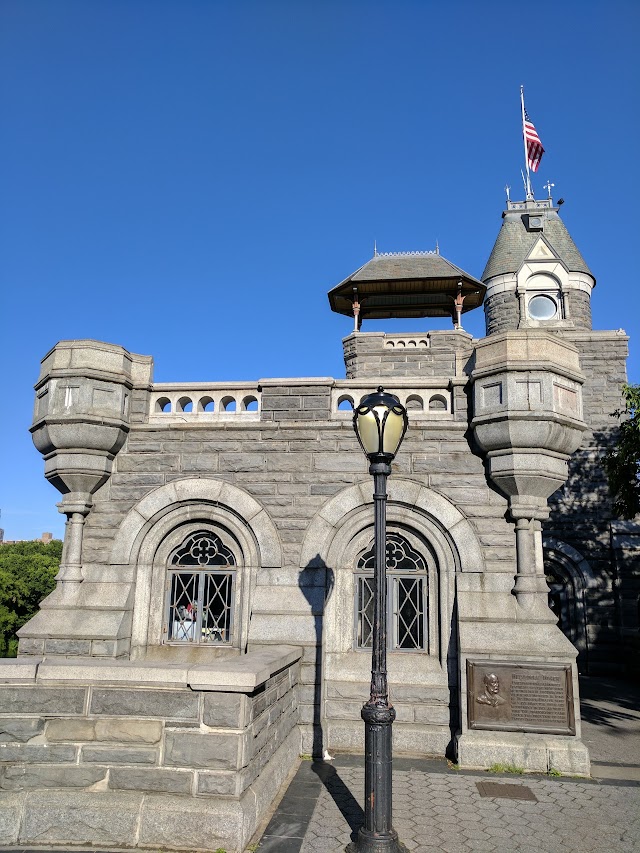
[[212, 615], [122, 742]]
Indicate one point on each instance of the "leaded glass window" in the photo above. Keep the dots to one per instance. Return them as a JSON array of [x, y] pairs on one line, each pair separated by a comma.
[[201, 588], [406, 596]]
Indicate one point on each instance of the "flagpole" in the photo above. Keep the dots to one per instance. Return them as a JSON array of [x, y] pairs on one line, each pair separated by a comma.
[[524, 140]]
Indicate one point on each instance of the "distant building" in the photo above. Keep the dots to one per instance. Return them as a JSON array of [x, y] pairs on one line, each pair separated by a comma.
[[212, 618], [45, 539]]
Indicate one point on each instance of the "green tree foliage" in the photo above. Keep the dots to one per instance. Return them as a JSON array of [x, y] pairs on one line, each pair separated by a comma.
[[622, 462], [27, 571]]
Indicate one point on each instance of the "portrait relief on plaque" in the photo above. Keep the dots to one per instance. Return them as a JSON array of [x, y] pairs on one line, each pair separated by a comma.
[[526, 697], [491, 691]]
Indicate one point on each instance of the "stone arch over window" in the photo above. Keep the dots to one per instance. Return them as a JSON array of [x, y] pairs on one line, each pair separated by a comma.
[[343, 529], [569, 577], [333, 525], [158, 525], [338, 536]]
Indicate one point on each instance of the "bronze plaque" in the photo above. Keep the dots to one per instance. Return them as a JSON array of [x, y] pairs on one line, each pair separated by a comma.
[[520, 697]]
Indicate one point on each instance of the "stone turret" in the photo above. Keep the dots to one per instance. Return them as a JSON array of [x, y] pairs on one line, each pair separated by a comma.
[[81, 420], [535, 275]]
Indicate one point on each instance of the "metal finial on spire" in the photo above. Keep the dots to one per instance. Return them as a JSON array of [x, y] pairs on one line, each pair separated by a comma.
[[437, 247], [547, 187], [375, 249], [507, 189]]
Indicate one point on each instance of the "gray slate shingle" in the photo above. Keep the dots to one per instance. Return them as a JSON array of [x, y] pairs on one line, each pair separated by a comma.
[[514, 244]]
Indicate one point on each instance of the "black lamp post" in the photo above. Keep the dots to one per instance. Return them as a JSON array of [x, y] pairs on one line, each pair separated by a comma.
[[380, 422]]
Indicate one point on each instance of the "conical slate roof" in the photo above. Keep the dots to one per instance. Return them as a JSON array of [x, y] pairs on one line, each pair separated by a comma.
[[517, 238], [406, 284]]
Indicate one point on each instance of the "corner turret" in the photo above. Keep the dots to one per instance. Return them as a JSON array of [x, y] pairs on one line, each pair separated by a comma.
[[535, 275]]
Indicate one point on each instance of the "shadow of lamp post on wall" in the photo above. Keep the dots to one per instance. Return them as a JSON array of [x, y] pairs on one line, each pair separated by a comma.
[[380, 422]]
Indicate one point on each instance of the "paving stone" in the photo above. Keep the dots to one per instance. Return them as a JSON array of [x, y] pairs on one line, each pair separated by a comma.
[[79, 817], [210, 750], [36, 753], [117, 755], [20, 729], [41, 700], [21, 778], [168, 704], [160, 780]]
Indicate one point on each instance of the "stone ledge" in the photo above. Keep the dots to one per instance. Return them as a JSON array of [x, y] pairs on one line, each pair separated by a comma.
[[16, 671], [242, 674], [532, 752]]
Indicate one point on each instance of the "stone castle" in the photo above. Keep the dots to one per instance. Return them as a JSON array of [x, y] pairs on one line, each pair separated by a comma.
[[212, 617]]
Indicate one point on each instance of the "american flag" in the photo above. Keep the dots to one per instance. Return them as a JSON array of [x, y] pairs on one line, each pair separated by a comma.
[[534, 146]]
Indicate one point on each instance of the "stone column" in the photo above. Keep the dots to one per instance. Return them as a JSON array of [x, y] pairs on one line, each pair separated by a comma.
[[70, 573]]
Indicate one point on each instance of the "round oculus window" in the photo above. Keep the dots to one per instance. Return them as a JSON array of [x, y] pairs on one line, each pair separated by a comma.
[[542, 307]]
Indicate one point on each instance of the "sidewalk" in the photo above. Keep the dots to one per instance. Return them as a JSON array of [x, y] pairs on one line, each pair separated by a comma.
[[438, 808]]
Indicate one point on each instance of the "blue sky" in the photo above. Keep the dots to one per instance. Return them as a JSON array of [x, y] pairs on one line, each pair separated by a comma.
[[189, 178]]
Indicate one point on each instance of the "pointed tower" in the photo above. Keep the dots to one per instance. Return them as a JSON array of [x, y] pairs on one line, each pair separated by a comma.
[[535, 275]]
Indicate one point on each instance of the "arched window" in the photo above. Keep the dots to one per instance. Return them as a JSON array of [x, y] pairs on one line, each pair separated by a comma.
[[201, 588], [407, 597]]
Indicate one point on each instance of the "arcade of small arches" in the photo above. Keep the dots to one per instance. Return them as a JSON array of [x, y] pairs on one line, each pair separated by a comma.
[[433, 401], [409, 343], [186, 404], [413, 403]]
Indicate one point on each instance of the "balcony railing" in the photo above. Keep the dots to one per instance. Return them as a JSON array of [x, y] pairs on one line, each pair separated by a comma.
[[204, 401]]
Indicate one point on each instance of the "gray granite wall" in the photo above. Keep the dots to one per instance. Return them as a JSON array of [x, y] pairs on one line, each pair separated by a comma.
[[146, 766], [439, 353], [580, 309], [581, 512], [293, 469], [308, 402], [502, 312]]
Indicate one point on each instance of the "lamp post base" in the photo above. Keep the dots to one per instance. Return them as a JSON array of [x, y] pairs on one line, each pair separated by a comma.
[[374, 843]]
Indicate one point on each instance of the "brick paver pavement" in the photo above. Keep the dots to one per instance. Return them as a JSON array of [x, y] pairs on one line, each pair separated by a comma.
[[436, 808]]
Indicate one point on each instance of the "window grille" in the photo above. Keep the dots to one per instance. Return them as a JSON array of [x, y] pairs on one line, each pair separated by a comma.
[[406, 597], [201, 586]]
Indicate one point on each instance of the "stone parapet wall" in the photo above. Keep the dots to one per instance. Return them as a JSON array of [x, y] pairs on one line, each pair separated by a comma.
[[292, 400], [375, 354], [127, 741]]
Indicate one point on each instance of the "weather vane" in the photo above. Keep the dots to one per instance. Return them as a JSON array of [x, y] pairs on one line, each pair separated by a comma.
[[548, 186], [507, 189]]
